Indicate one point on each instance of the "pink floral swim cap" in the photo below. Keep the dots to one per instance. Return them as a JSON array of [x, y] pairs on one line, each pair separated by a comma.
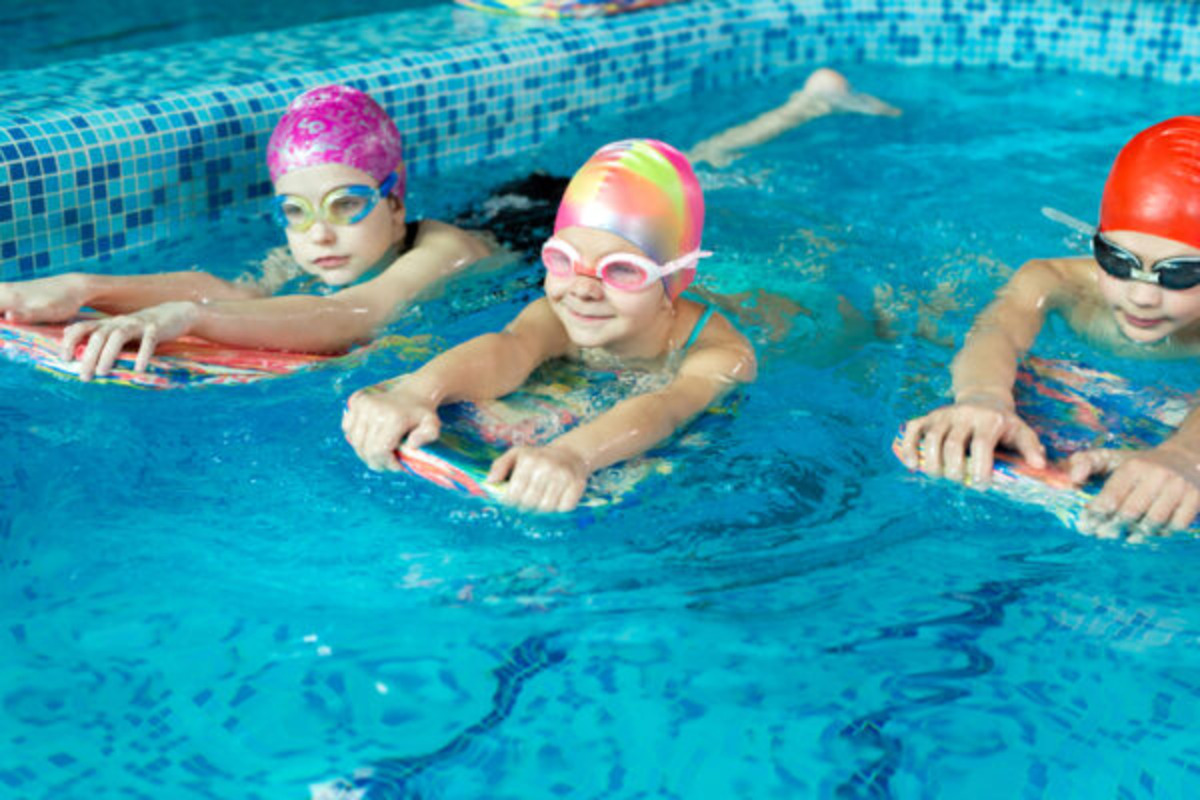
[[644, 191], [337, 125]]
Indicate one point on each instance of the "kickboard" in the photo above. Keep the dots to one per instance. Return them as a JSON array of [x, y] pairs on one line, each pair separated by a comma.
[[1073, 407], [184, 362], [556, 398]]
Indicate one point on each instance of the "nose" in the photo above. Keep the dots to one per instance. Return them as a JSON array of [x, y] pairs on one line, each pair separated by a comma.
[[321, 232], [1144, 295], [587, 286]]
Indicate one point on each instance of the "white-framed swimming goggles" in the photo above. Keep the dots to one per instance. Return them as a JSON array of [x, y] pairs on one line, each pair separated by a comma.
[[628, 272], [344, 205]]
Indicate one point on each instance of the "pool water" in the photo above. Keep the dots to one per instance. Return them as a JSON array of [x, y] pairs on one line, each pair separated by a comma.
[[50, 31], [206, 595]]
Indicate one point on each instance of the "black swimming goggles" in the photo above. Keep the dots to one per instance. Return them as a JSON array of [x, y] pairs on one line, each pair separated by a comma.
[[1170, 273]]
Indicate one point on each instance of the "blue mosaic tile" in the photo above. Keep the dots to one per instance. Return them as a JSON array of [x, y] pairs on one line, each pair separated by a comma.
[[104, 155]]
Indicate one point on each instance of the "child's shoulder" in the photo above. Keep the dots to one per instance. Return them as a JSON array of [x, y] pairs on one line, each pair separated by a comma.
[[1063, 281], [706, 320], [432, 234], [713, 339]]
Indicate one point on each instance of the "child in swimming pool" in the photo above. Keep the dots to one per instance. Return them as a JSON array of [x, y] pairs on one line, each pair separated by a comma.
[[336, 163], [825, 92], [626, 243], [1139, 293]]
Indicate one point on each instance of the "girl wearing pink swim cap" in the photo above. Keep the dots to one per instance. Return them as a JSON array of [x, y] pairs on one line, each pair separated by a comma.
[[626, 244], [1139, 293], [336, 163]]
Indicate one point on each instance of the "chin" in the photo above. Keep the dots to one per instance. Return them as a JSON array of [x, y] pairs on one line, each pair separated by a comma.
[[339, 277], [1145, 336], [588, 339]]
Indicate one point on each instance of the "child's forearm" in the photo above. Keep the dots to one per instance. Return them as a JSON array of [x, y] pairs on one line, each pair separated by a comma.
[[986, 367], [1187, 435], [122, 294], [300, 323], [482, 368], [628, 429]]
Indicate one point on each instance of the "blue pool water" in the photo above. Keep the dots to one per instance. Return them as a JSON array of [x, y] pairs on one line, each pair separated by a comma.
[[37, 34], [206, 595]]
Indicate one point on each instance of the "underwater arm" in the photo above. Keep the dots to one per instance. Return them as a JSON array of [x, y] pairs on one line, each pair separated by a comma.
[[553, 477], [404, 410]]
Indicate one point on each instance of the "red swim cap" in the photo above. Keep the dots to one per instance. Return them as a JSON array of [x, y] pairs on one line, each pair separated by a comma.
[[1154, 186]]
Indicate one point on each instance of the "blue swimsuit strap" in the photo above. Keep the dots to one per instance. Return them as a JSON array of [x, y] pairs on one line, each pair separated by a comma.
[[699, 326]]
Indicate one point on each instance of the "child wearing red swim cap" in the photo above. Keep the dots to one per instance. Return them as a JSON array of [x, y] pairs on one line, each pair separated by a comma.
[[336, 164], [1139, 292], [626, 244]]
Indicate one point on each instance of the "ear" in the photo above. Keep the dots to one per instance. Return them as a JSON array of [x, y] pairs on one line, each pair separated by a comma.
[[397, 208]]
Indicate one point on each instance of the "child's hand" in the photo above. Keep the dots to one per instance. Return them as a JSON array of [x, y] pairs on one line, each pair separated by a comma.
[[939, 442], [54, 299], [541, 478], [377, 421], [107, 337], [1150, 489]]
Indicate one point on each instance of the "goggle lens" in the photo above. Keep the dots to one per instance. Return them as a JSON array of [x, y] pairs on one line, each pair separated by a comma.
[[1173, 273], [557, 261], [345, 205], [623, 274]]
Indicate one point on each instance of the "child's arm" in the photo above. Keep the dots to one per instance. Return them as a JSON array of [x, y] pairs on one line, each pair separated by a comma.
[[298, 322], [58, 298], [404, 410], [983, 414], [553, 477]]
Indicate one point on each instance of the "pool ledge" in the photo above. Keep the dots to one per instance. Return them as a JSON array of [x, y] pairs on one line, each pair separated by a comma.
[[90, 174]]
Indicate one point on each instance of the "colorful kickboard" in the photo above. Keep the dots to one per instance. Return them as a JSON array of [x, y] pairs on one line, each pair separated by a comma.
[[184, 362], [1073, 408], [557, 9], [555, 398]]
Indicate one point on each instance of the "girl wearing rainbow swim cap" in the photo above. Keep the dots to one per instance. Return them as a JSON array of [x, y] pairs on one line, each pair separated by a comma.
[[1139, 293], [626, 243], [336, 162]]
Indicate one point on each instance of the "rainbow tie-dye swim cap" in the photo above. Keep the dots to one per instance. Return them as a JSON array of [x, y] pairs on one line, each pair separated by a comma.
[[1154, 185], [337, 125], [644, 191]]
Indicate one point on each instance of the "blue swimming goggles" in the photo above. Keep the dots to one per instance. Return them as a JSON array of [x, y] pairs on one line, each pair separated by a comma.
[[344, 205], [1170, 273]]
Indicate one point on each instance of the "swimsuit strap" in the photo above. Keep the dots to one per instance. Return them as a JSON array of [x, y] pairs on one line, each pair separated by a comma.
[[699, 326]]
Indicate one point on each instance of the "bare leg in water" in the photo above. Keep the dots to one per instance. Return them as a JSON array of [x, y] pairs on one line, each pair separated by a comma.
[[825, 92]]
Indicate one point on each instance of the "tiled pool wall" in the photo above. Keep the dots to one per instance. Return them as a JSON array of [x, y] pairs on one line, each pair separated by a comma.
[[97, 159]]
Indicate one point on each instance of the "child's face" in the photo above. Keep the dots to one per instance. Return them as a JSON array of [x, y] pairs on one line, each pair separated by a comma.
[[340, 254], [597, 315], [1146, 312]]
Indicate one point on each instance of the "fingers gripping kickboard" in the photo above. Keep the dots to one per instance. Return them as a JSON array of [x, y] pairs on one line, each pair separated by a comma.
[[1073, 407], [185, 362]]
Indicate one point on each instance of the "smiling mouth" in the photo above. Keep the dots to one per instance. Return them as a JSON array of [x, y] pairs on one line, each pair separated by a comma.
[[1143, 322], [579, 315]]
